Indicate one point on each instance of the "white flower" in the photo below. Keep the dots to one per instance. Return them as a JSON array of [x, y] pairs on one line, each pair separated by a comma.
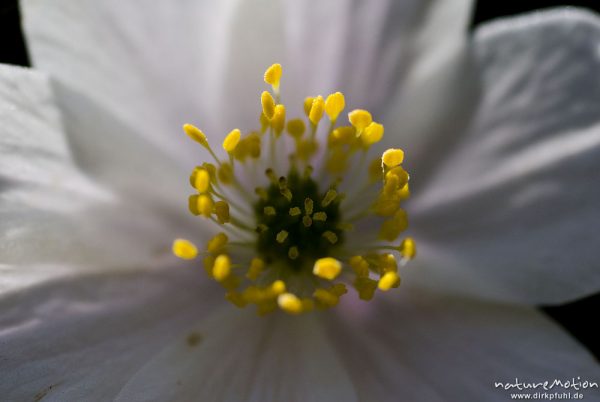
[[502, 136]]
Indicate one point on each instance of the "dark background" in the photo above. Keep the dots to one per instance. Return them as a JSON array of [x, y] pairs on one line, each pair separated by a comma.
[[579, 318]]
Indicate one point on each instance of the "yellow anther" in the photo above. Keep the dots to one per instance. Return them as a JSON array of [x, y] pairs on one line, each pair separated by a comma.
[[375, 170], [273, 75], [295, 211], [242, 150], [338, 289], [334, 105], [345, 135], [217, 243], [365, 287], [316, 110], [325, 298], [222, 267], [232, 140], [319, 216], [389, 280], [281, 236], [269, 211], [201, 205], [308, 206], [359, 265], [195, 134], [399, 173], [293, 253], [360, 119], [208, 263], [184, 249], [222, 212], [373, 133], [202, 180], [296, 128], [392, 157], [306, 221], [277, 287], [408, 248], [327, 268], [391, 186], [330, 236], [308, 101], [268, 104], [253, 145], [278, 120], [261, 228], [225, 173], [290, 303], [283, 188], [329, 197], [257, 265], [391, 228]]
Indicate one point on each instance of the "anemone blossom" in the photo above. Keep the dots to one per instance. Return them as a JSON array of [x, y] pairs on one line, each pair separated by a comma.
[[501, 136]]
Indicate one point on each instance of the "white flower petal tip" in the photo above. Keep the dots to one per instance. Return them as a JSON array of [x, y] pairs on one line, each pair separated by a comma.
[[513, 205]]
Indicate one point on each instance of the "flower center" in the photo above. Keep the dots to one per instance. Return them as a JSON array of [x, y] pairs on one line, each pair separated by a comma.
[[297, 223], [289, 241]]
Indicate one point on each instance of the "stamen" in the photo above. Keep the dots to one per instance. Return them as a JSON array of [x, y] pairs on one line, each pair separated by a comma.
[[232, 140], [334, 105], [408, 249], [327, 268], [217, 244], [281, 236], [308, 206], [329, 197], [222, 212], [360, 119], [372, 134], [184, 249], [268, 104], [319, 216], [289, 303], [273, 76], [297, 225], [195, 134], [388, 280], [316, 110], [221, 268], [392, 157], [278, 120]]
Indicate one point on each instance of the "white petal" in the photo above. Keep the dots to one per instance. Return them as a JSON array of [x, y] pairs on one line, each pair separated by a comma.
[[437, 95], [149, 65], [84, 338], [157, 66], [421, 346], [516, 201], [246, 358], [51, 212]]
